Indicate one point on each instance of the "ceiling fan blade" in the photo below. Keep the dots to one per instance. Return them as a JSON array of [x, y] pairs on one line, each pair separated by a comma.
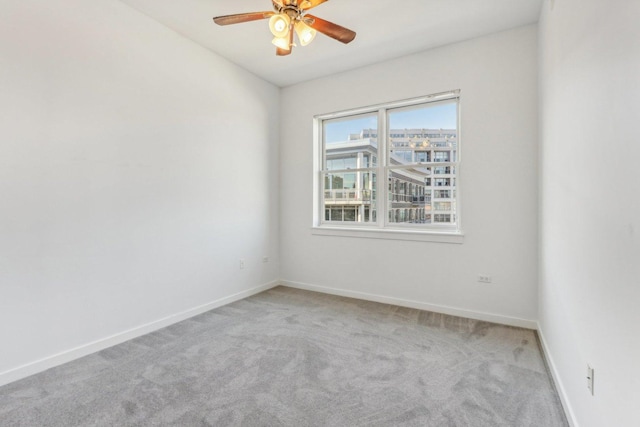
[[308, 4], [285, 52], [242, 17], [291, 31], [330, 29]]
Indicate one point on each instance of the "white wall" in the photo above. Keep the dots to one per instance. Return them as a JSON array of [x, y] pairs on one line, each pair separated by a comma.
[[497, 75], [136, 169], [590, 205]]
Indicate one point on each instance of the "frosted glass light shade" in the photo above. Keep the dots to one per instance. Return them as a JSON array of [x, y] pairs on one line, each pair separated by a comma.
[[281, 42], [279, 25], [306, 34]]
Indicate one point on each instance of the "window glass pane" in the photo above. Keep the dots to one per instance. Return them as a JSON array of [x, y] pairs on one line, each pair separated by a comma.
[[349, 213], [443, 218], [351, 143], [409, 198], [348, 161], [426, 133], [422, 156], [350, 196], [336, 214], [401, 156], [442, 156]]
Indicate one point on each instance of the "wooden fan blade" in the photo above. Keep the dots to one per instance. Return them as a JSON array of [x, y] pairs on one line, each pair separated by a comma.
[[330, 29], [291, 31], [242, 17], [308, 4], [284, 52]]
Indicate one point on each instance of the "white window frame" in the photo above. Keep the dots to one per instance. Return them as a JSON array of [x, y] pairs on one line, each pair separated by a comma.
[[383, 229]]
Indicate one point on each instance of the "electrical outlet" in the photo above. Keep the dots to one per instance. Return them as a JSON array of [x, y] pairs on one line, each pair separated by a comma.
[[242, 264], [590, 379], [265, 259], [483, 278]]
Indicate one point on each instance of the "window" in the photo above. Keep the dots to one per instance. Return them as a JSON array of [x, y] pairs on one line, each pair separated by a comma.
[[389, 183]]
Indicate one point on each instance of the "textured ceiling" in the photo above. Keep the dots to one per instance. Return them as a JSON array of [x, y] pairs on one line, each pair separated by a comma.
[[385, 29]]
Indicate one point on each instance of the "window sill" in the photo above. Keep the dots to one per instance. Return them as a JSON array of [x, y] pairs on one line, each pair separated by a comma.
[[454, 237]]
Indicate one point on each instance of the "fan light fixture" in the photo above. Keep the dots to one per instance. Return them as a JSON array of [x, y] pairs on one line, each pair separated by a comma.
[[290, 18], [281, 43], [279, 25], [306, 34]]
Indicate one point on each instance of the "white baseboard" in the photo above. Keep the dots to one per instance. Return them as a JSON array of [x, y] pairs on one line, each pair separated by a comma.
[[568, 410], [92, 347], [477, 315]]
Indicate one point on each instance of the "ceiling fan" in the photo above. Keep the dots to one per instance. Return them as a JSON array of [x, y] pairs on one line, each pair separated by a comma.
[[291, 16]]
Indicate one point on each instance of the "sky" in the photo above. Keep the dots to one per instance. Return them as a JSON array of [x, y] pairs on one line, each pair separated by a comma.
[[441, 116]]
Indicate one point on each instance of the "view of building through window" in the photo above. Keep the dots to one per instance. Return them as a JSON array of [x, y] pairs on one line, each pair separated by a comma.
[[417, 160]]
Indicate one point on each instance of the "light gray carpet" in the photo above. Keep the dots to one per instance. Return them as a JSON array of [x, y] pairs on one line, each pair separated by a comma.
[[298, 358]]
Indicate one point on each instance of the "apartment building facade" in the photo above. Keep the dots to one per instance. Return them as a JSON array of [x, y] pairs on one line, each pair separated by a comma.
[[422, 194]]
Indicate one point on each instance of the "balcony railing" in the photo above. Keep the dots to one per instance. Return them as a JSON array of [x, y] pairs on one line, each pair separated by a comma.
[[422, 146], [420, 199], [409, 198], [347, 196]]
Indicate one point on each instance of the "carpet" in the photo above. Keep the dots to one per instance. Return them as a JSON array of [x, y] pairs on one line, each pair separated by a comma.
[[288, 357]]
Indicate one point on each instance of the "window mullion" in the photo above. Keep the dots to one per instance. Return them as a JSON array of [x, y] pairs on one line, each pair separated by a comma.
[[382, 180], [323, 157]]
